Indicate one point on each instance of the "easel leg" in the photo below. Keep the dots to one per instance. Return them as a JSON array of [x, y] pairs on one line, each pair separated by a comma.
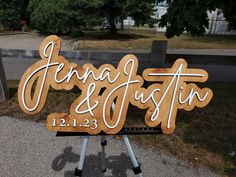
[[103, 144], [79, 169], [136, 167]]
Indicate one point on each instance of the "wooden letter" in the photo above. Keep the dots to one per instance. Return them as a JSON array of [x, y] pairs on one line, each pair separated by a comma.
[[91, 112]]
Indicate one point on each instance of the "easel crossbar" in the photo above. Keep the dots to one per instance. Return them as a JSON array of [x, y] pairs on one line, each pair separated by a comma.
[[124, 131]]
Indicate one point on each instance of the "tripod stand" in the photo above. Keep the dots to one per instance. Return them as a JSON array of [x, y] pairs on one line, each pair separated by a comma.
[[136, 168]]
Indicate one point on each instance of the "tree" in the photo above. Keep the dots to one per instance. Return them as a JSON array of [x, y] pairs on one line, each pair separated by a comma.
[[191, 16], [65, 15], [141, 11], [10, 14], [50, 16], [23, 8], [124, 13], [53, 16], [111, 9]]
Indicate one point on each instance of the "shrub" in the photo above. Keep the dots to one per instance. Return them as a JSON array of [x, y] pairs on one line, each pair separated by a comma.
[[51, 16], [10, 14]]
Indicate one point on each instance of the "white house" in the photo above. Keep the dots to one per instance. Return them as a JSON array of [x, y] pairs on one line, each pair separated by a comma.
[[128, 22], [217, 22]]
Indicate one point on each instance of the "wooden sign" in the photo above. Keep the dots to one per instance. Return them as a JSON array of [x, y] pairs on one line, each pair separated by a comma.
[[171, 89]]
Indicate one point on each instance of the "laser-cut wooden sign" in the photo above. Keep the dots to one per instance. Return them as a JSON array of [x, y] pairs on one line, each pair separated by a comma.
[[91, 112]]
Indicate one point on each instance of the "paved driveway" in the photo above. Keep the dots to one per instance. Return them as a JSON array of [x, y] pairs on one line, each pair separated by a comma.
[[28, 42], [29, 150]]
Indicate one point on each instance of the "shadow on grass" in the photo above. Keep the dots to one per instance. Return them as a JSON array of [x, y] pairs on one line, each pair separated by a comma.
[[12, 92], [92, 166], [213, 128], [208, 134], [97, 36]]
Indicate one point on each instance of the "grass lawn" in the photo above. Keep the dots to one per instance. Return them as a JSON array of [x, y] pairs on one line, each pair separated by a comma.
[[142, 39], [202, 137]]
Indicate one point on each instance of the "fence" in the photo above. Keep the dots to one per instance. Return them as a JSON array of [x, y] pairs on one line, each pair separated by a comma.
[[213, 62], [159, 56], [4, 93]]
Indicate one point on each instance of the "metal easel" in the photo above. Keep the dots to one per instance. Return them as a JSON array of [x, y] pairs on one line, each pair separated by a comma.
[[79, 170], [124, 132]]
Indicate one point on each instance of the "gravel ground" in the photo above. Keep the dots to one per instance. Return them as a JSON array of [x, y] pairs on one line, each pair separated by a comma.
[[28, 149]]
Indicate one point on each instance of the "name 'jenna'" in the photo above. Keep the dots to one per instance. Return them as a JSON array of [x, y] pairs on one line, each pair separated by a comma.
[[107, 87]]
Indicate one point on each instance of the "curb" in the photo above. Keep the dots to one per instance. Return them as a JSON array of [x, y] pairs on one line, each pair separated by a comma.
[[16, 33]]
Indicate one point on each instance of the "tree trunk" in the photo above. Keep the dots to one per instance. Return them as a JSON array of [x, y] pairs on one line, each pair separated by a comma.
[[137, 23], [122, 24], [113, 30]]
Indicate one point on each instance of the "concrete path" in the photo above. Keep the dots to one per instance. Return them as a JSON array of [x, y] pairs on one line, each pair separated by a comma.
[[29, 150], [225, 52], [15, 67], [28, 42]]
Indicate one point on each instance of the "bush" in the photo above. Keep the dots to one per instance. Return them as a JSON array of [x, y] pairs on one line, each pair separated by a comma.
[[62, 16], [51, 16], [10, 14]]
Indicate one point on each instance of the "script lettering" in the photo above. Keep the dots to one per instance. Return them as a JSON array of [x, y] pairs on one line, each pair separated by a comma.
[[91, 111]]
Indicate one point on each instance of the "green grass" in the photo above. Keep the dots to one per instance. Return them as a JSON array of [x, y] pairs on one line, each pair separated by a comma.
[[203, 136], [133, 39]]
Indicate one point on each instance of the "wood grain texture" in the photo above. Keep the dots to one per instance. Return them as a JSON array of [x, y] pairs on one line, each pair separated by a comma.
[[170, 91]]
